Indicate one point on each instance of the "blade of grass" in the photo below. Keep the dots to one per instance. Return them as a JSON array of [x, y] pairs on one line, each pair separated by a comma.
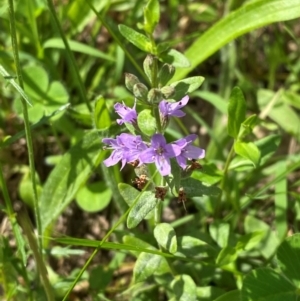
[[70, 57], [26, 123]]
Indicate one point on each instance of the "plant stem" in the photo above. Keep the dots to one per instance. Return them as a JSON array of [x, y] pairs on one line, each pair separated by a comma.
[[70, 57], [26, 123], [223, 182]]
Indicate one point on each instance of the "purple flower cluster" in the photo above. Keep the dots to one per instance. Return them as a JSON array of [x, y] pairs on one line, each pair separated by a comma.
[[129, 148]]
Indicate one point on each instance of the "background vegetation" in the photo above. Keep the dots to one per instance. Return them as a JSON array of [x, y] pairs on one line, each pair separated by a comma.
[[62, 66]]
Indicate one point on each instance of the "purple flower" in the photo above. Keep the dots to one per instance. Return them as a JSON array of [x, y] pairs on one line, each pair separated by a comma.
[[173, 108], [160, 152], [127, 114], [127, 148], [188, 151]]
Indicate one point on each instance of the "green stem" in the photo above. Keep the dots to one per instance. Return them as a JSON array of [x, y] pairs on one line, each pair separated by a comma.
[[70, 56], [223, 182], [26, 123]]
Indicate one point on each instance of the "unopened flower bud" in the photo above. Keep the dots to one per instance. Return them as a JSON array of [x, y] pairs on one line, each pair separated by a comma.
[[130, 81], [150, 67], [165, 74], [167, 91], [140, 91], [154, 96]]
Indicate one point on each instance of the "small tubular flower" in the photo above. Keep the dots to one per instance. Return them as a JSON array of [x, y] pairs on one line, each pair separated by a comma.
[[128, 115], [126, 148], [160, 153], [188, 151], [173, 108]]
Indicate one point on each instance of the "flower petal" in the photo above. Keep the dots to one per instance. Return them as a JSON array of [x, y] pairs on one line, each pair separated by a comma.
[[163, 165], [193, 152]]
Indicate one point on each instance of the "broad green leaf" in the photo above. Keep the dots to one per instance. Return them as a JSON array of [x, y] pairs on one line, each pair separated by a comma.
[[137, 39], [220, 233], [68, 175], [193, 187], [146, 122], [269, 242], [57, 96], [149, 264], [141, 209], [236, 112], [252, 15], [101, 115], [288, 258], [186, 86], [209, 293], [230, 296], [77, 47], [226, 256], [284, 115], [166, 237], [248, 150], [151, 16], [175, 58], [36, 82], [184, 288], [93, 197], [249, 241], [266, 285]]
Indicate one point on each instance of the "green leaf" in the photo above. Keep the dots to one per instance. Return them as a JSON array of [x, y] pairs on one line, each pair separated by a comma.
[[151, 16], [193, 187], [269, 242], [186, 86], [68, 175], [166, 237], [252, 15], [11, 80], [149, 264], [236, 112], [77, 47], [230, 296], [220, 233], [101, 115], [136, 38], [248, 126], [288, 258], [141, 209], [266, 285], [248, 150], [209, 174], [146, 122], [93, 197], [226, 256], [175, 58], [184, 288]]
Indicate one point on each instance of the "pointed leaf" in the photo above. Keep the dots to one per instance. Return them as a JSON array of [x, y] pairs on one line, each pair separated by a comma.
[[137, 39], [151, 16], [236, 112], [186, 86], [184, 288], [101, 115], [248, 150], [252, 15], [175, 58]]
